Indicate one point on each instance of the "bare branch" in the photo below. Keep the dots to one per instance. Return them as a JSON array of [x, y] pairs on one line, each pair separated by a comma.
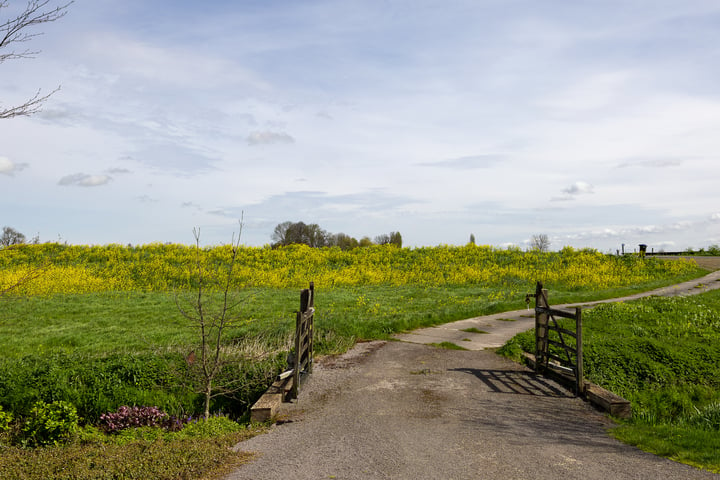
[[14, 31], [30, 107]]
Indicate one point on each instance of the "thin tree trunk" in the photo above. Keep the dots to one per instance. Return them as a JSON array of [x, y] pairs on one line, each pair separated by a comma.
[[208, 395]]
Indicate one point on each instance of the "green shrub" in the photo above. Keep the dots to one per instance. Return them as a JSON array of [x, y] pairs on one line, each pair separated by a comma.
[[96, 386], [6, 419], [50, 424]]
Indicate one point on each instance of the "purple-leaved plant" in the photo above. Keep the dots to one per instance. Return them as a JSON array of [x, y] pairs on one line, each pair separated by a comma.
[[134, 417]]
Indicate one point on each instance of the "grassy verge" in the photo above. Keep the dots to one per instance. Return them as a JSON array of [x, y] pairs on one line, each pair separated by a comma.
[[201, 451], [662, 355], [692, 446]]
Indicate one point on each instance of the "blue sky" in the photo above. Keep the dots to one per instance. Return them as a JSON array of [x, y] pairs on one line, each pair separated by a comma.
[[594, 122]]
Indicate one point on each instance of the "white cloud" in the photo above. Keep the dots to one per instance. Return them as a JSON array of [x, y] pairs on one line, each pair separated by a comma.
[[572, 191], [118, 171], [578, 188], [84, 180], [269, 138], [8, 167]]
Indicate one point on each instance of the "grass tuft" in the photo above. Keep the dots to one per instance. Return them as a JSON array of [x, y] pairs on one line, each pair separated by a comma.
[[448, 346], [473, 330]]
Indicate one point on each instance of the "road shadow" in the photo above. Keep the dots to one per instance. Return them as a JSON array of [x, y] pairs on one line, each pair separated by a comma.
[[517, 382]]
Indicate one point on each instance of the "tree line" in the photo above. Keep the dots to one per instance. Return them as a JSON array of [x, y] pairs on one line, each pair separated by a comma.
[[10, 236], [288, 233]]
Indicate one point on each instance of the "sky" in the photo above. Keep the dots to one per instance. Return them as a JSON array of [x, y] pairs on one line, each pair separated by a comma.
[[596, 123]]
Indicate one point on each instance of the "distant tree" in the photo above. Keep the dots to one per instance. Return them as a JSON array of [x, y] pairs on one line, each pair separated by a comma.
[[383, 239], [288, 233], [279, 235], [296, 233], [16, 30], [10, 236], [472, 239], [316, 236], [365, 242], [345, 242], [540, 242], [396, 239]]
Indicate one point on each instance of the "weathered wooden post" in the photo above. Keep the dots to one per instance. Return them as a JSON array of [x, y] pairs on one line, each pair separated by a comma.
[[541, 327], [304, 337], [286, 386], [307, 305], [579, 374]]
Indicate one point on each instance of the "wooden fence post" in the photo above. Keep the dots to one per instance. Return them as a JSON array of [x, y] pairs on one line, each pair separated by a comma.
[[310, 307], [541, 327], [304, 336], [580, 374]]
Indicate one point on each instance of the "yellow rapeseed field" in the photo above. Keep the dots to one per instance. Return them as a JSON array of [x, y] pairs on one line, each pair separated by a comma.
[[59, 268]]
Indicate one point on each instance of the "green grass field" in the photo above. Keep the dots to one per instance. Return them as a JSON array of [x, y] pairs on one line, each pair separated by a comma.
[[106, 349], [99, 348]]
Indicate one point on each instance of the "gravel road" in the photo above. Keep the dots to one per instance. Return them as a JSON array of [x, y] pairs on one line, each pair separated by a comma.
[[399, 410]]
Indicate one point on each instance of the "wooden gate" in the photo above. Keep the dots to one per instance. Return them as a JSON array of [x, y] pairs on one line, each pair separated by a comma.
[[287, 383], [557, 348], [303, 360]]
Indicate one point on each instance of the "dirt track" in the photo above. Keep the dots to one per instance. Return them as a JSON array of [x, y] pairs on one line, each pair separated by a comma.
[[400, 410]]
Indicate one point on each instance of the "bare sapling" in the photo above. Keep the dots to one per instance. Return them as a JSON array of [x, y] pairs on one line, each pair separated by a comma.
[[212, 308]]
